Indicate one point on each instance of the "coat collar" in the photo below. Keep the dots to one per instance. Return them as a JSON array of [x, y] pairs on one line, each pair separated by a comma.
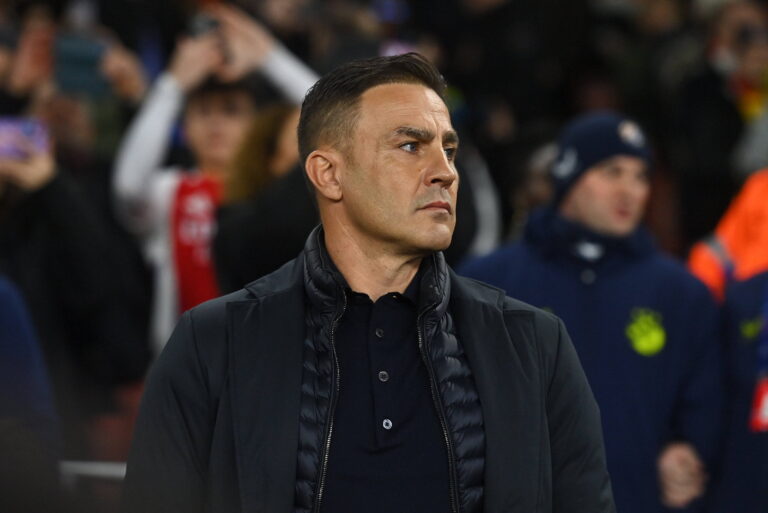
[[325, 285], [553, 235]]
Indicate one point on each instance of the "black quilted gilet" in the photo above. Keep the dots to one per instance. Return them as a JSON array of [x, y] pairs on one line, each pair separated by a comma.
[[457, 392]]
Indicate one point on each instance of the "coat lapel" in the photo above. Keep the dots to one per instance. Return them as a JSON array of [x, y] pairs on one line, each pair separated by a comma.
[[510, 396], [266, 339]]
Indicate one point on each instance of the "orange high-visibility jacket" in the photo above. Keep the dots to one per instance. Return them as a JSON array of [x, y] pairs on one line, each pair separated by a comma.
[[739, 245]]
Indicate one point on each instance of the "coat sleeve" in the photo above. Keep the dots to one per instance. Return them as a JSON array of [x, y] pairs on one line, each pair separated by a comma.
[[167, 466], [140, 156], [580, 481]]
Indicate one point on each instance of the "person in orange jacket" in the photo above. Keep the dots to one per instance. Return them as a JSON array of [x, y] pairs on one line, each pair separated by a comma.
[[738, 248]]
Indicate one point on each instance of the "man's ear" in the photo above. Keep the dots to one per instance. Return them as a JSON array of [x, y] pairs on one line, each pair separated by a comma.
[[323, 170]]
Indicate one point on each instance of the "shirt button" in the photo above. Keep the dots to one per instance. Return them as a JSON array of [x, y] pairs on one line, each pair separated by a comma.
[[383, 376], [588, 276], [387, 424], [379, 332]]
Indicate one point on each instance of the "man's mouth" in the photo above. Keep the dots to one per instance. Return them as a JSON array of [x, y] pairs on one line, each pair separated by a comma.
[[438, 205]]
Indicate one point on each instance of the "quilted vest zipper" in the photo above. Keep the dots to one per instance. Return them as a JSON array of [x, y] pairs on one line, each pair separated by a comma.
[[331, 410], [452, 480]]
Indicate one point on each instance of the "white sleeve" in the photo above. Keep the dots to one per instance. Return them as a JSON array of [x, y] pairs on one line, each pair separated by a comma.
[[288, 74], [141, 153]]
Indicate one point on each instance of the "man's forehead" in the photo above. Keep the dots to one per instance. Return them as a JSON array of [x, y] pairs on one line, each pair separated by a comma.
[[405, 105], [403, 98]]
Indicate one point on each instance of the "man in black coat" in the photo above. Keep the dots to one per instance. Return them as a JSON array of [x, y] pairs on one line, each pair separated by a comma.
[[365, 375]]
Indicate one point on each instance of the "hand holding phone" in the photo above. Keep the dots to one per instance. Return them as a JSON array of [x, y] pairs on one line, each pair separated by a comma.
[[25, 156]]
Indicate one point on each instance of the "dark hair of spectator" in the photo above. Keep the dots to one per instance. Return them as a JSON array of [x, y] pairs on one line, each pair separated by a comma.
[[251, 169], [329, 111]]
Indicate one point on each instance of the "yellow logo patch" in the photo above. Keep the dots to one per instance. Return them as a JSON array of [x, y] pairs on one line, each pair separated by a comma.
[[751, 328], [645, 332]]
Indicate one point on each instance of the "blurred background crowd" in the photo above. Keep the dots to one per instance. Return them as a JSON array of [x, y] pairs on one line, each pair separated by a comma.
[[148, 162]]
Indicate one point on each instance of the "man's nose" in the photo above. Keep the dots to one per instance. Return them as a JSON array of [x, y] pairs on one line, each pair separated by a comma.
[[441, 171]]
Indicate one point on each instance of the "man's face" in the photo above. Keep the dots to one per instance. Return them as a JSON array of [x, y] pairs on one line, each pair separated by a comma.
[[215, 125], [610, 197], [399, 179]]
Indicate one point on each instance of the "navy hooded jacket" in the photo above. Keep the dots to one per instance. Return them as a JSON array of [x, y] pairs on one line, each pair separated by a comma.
[[645, 330]]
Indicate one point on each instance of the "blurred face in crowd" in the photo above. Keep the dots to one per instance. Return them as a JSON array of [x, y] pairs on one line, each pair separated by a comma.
[[214, 126], [610, 197], [741, 36], [733, 17], [398, 176]]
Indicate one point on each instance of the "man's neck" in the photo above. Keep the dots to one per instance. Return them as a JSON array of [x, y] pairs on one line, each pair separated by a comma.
[[368, 268]]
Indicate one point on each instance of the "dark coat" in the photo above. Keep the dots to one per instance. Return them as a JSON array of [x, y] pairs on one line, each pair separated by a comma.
[[218, 428]]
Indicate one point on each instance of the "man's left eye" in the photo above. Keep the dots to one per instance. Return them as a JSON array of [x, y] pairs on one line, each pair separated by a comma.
[[450, 153]]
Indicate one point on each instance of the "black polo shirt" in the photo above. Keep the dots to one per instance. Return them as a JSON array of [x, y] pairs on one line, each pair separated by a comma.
[[388, 452]]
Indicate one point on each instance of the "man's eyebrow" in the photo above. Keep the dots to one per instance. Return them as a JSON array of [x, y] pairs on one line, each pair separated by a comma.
[[424, 135], [420, 134], [451, 137]]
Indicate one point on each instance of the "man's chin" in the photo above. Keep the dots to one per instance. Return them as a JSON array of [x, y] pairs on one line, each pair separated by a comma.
[[621, 230], [438, 243]]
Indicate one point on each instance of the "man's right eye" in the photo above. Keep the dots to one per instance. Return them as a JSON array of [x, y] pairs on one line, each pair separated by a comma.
[[410, 147]]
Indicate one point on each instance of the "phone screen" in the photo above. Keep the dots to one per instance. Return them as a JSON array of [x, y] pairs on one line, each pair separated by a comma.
[[19, 136], [77, 65]]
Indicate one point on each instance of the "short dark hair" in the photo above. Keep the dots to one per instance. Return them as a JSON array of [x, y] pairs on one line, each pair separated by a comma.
[[330, 108]]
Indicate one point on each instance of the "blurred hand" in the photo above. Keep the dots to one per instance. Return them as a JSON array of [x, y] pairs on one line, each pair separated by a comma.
[[681, 475], [124, 71], [196, 58], [28, 174], [247, 42], [33, 61]]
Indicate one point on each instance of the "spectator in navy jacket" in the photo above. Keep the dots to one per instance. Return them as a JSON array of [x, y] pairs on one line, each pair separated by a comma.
[[643, 327]]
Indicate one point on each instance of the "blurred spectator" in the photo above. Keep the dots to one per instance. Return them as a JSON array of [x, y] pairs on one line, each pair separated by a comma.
[[27, 58], [644, 328], [275, 212], [58, 251], [256, 237], [743, 482], [268, 151], [173, 210], [49, 67], [715, 110], [736, 250], [29, 439]]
